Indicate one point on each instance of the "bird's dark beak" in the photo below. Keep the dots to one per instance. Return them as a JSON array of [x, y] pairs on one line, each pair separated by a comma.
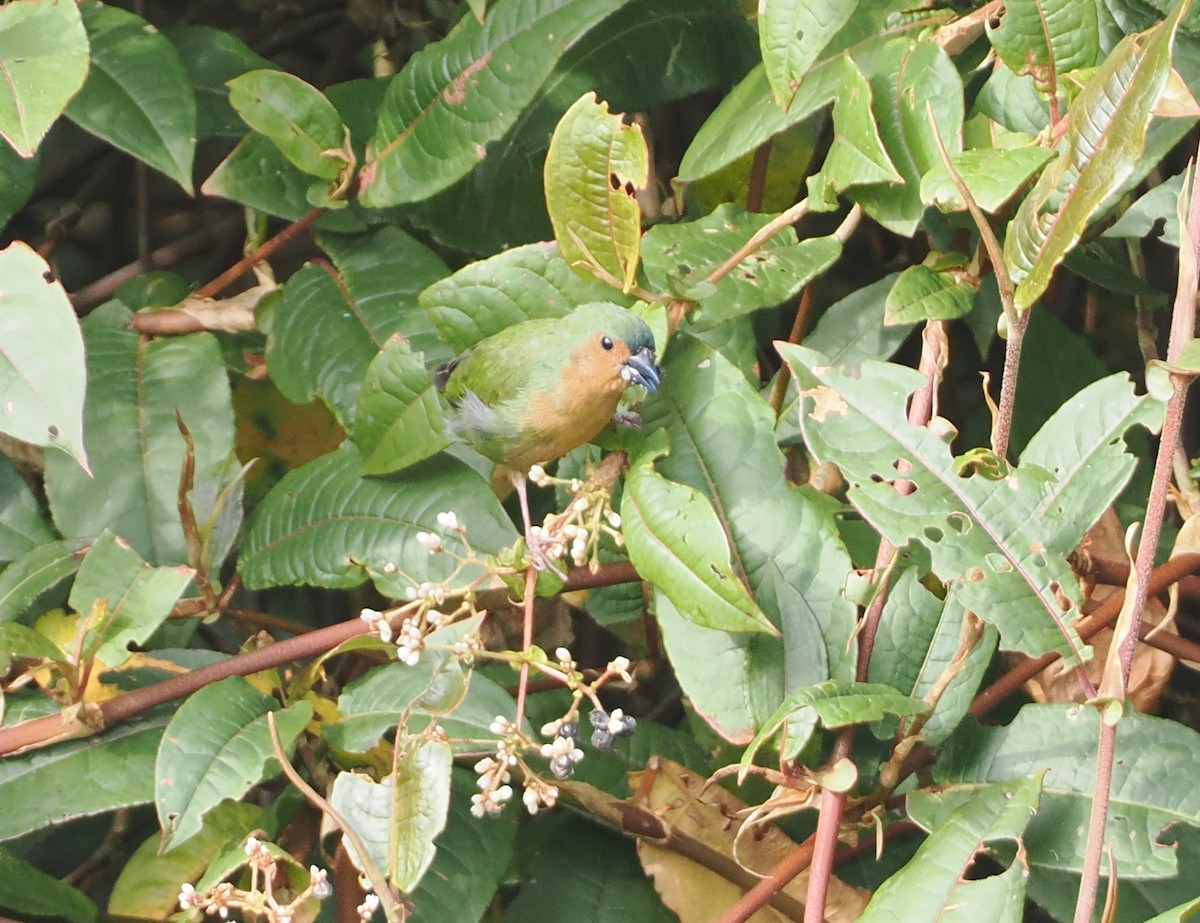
[[640, 369]]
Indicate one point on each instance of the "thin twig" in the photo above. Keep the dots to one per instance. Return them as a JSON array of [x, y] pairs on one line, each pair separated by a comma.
[[266, 251], [760, 237]]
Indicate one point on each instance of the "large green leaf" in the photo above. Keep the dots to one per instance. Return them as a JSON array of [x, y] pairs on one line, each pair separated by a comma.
[[792, 33], [216, 746], [669, 49], [676, 543], [137, 96], [22, 527], [137, 598], [135, 390], [398, 819], [594, 168], [330, 326], [679, 257], [45, 787], [25, 889], [1106, 134], [1151, 787], [42, 370], [984, 534], [1046, 38], [326, 525], [932, 886], [856, 155], [992, 175], [45, 52], [526, 282], [454, 97], [213, 57], [782, 544]]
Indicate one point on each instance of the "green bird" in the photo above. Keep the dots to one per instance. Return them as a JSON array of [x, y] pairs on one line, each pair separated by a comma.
[[536, 390]]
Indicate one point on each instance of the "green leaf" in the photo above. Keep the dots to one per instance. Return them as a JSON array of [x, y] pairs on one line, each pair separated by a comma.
[[329, 327], [676, 543], [1151, 788], [472, 859], [1179, 914], [932, 886], [856, 155], [148, 886], [326, 525], [18, 641], [669, 49], [983, 534], [992, 175], [45, 52], [1046, 38], [137, 96], [833, 705], [1013, 102], [520, 284], [43, 788], [454, 97], [594, 168], [212, 58], [1160, 203], [792, 33], [42, 370], [922, 293], [26, 890], [297, 118], [783, 544], [399, 420], [138, 598], [36, 572], [22, 527], [678, 257], [399, 818], [20, 175], [217, 746], [1106, 134], [135, 390]]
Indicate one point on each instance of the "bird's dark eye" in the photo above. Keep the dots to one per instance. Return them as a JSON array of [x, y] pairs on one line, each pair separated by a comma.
[[606, 343]]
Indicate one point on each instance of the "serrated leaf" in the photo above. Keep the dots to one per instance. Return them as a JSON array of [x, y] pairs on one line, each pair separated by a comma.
[[22, 527], [932, 886], [297, 118], [520, 284], [594, 168], [676, 543], [216, 746], [983, 534], [1106, 134], [677, 257], [1046, 38], [1150, 789], [42, 368], [399, 420], [137, 96], [42, 788], [399, 818], [137, 597], [36, 572], [213, 56], [832, 705], [25, 889], [792, 33], [45, 52], [330, 326], [922, 293], [326, 525], [135, 389], [454, 97], [992, 175], [782, 544]]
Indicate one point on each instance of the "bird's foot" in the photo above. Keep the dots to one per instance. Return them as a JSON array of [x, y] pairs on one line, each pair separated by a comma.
[[627, 418], [545, 550]]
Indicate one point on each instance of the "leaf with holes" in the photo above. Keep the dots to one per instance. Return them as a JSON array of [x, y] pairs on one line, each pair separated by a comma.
[[42, 371], [983, 534], [792, 34], [456, 96], [216, 746], [1106, 134], [45, 52], [1046, 38], [594, 169]]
